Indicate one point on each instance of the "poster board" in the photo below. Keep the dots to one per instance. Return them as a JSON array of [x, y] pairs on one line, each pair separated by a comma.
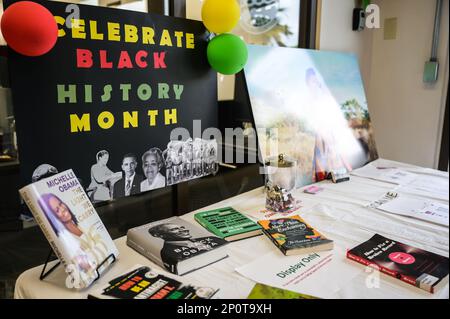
[[112, 89]]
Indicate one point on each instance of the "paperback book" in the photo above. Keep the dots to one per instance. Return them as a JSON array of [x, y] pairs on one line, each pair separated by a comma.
[[229, 224], [292, 235], [414, 266], [72, 227], [143, 282], [177, 245]]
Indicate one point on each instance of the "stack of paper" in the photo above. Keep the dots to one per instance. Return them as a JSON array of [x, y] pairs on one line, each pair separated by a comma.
[[418, 208], [389, 175]]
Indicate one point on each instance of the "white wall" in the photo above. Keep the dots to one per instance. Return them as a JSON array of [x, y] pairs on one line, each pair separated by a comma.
[[336, 34], [225, 83], [407, 114]]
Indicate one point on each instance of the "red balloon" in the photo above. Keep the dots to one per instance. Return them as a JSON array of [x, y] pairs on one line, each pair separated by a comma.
[[29, 28]]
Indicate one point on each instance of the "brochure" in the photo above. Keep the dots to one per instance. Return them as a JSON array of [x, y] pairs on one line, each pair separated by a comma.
[[318, 274]]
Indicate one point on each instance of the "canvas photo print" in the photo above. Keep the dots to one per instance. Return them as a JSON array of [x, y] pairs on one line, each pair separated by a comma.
[[310, 105]]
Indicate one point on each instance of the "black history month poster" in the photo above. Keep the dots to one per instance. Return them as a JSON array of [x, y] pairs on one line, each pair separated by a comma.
[[106, 98]]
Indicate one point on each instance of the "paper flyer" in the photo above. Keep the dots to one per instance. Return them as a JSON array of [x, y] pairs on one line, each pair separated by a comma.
[[318, 274], [430, 211], [389, 175]]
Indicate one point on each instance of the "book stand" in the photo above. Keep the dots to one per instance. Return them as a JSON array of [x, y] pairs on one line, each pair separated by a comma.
[[45, 274]]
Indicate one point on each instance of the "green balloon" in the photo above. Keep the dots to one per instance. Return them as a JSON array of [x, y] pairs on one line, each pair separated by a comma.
[[227, 54]]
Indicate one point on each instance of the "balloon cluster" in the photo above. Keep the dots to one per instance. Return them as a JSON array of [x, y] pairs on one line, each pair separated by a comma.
[[227, 53], [29, 28]]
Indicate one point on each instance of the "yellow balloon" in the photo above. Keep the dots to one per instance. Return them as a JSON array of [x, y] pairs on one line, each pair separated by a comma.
[[220, 16]]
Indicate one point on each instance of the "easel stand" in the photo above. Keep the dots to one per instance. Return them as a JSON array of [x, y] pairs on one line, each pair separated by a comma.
[[97, 270], [45, 274]]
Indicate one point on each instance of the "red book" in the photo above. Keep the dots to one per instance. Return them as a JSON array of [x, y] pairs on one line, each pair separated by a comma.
[[414, 266]]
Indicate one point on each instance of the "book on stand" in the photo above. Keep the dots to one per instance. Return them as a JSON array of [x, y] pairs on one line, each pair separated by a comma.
[[71, 225]]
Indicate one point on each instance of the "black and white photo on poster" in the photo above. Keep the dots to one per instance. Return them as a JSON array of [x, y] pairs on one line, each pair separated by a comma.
[[43, 171], [102, 177], [181, 161], [130, 182], [186, 160]]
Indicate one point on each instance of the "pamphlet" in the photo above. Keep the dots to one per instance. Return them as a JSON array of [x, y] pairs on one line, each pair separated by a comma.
[[431, 211], [389, 175], [435, 187], [319, 274]]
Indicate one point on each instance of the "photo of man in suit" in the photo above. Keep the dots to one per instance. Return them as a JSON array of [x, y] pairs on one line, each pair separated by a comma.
[[130, 182]]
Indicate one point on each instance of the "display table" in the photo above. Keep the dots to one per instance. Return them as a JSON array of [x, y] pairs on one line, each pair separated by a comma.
[[339, 212]]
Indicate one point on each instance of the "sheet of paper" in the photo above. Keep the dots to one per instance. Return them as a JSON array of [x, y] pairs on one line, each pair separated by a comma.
[[297, 210], [390, 175], [430, 186], [418, 208], [318, 274]]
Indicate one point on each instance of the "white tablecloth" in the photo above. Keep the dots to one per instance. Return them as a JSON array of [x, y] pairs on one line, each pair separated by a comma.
[[339, 212]]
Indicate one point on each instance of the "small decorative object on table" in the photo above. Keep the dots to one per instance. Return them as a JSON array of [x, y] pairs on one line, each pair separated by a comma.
[[280, 181], [339, 175], [313, 190]]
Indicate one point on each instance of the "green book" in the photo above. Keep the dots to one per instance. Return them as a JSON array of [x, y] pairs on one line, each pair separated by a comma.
[[227, 223], [261, 291]]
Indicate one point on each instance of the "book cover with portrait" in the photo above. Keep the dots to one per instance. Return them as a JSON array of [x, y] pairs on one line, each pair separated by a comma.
[[73, 228], [412, 265], [292, 235], [177, 245]]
